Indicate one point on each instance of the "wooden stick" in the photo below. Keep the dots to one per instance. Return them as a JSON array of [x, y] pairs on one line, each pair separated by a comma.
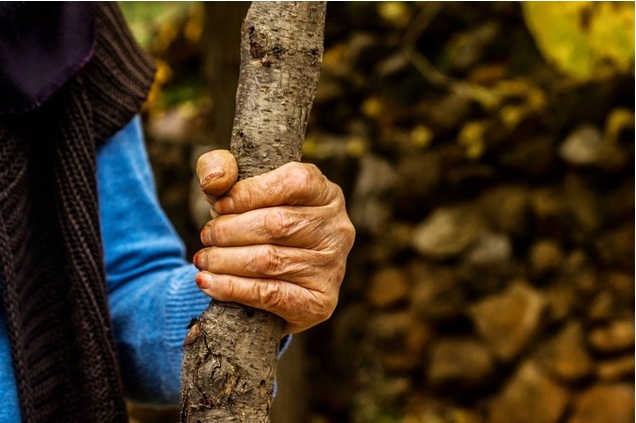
[[231, 351]]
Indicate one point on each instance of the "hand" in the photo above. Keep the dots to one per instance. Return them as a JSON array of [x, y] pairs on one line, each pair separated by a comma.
[[279, 243]]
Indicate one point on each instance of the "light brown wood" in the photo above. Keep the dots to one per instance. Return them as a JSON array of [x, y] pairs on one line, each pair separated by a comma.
[[231, 351]]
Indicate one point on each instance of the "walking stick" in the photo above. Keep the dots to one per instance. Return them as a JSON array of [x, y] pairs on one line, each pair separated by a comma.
[[231, 351]]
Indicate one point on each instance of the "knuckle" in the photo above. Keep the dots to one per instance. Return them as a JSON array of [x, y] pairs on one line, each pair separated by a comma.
[[344, 228], [348, 233], [299, 176], [205, 235], [276, 224], [246, 198], [268, 262], [270, 295], [323, 309], [341, 238], [241, 198], [338, 194], [215, 233], [233, 290]]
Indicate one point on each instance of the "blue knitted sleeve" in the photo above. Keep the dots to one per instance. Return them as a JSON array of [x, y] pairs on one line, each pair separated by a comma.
[[151, 286]]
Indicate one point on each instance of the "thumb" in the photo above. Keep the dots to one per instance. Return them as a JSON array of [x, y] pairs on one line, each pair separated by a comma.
[[217, 172]]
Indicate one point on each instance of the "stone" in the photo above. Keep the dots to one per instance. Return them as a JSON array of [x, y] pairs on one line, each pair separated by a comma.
[[533, 156], [396, 238], [622, 285], [419, 174], [621, 282], [565, 357], [562, 299], [466, 48], [380, 393], [448, 112], [578, 271], [547, 203], [605, 404], [529, 397], [447, 232], [615, 337], [388, 287], [506, 209], [586, 146], [491, 249], [584, 210], [487, 265], [436, 294], [616, 247], [400, 338], [424, 408], [509, 321], [460, 363], [618, 204], [545, 256], [582, 146], [368, 209], [615, 369], [602, 307], [348, 325]]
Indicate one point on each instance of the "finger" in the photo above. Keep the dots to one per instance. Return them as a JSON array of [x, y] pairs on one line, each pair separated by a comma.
[[305, 227], [217, 172], [290, 184], [299, 307], [307, 268]]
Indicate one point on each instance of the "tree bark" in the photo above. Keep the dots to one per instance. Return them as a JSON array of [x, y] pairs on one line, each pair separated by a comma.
[[231, 351]]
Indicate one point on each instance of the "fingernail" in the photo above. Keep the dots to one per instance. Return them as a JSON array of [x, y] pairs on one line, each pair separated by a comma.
[[212, 176], [205, 235], [203, 280], [198, 260]]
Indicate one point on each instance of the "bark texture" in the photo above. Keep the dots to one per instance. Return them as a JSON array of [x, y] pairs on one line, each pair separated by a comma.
[[231, 351]]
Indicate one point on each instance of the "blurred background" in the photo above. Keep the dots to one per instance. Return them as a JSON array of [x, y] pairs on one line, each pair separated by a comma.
[[486, 151]]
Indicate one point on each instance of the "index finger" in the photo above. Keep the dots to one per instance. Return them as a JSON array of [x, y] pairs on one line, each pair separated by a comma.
[[293, 184]]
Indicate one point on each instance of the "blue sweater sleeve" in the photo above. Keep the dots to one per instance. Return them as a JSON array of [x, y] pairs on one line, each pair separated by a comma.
[[151, 286]]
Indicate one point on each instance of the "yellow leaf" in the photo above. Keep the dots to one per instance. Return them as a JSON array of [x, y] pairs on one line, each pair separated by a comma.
[[586, 40], [334, 56], [372, 107], [612, 35], [193, 29], [471, 137], [421, 136], [618, 120], [356, 146], [394, 12]]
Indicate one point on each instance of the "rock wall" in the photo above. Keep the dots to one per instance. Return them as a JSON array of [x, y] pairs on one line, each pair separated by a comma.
[[492, 280], [493, 275]]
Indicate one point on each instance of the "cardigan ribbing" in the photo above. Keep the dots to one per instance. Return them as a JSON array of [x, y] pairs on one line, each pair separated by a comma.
[[51, 261]]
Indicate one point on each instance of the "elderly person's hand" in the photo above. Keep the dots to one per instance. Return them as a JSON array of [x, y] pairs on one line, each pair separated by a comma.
[[279, 243]]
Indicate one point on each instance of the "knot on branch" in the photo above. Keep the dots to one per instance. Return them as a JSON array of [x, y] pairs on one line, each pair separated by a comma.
[[259, 48]]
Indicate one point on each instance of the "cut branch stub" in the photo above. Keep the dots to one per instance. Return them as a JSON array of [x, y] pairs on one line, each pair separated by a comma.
[[231, 351]]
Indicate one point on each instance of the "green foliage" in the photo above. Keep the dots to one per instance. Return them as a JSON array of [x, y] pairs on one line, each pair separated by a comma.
[[171, 32], [146, 18], [586, 40]]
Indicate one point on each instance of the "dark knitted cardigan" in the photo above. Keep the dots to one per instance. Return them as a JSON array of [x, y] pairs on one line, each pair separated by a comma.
[[51, 261]]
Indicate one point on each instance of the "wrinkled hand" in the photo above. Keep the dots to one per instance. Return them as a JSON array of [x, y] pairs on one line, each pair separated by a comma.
[[279, 243]]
